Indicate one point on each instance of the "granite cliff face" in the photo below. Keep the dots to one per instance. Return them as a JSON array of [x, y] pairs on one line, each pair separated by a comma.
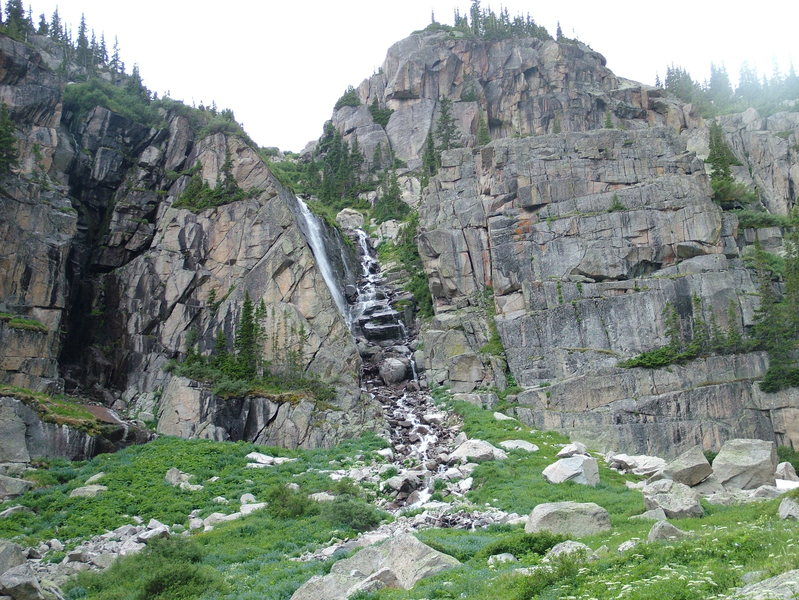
[[577, 236], [119, 277]]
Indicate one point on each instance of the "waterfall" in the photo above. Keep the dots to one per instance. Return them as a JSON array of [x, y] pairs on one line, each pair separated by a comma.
[[313, 231]]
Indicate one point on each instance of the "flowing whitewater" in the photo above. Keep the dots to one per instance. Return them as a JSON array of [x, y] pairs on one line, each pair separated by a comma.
[[419, 434], [312, 228]]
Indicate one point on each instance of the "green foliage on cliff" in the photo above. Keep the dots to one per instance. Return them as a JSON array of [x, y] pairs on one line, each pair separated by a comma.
[[488, 25], [9, 154], [349, 98], [380, 115], [59, 408], [389, 204], [80, 98], [199, 196]]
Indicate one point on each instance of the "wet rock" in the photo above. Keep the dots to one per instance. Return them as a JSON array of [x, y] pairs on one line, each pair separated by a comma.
[[393, 371], [745, 464], [568, 518]]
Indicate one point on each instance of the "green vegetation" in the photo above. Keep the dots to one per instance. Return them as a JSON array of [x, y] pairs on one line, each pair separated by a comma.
[[243, 371], [759, 219], [389, 205], [8, 142], [380, 115], [488, 25], [199, 196], [716, 97], [446, 131], [726, 192], [692, 338], [349, 98], [405, 253], [20, 322], [59, 409]]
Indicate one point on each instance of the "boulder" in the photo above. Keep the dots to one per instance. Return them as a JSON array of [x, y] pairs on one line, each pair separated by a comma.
[[503, 417], [349, 218], [401, 562], [87, 491], [247, 509], [780, 587], [11, 487], [21, 584], [498, 559], [567, 548], [676, 499], [393, 371], [640, 464], [178, 478], [11, 555], [477, 451], [690, 467], [572, 449], [579, 469], [519, 445], [745, 464], [663, 530], [95, 478], [789, 509], [247, 499], [655, 514], [786, 472], [568, 518], [12, 510], [322, 497]]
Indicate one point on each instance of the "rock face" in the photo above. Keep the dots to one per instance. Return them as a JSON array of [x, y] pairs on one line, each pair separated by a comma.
[[400, 562], [584, 239], [101, 253], [568, 518], [745, 464]]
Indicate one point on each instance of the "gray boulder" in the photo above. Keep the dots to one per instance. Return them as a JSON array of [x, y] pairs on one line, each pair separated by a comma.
[[663, 530], [568, 548], [785, 586], [11, 555], [691, 467], [477, 451], [349, 218], [786, 471], [655, 514], [393, 370], [21, 584], [572, 449], [746, 464], [676, 499], [579, 469], [519, 445], [568, 518], [789, 509], [11, 487], [399, 562], [498, 559], [87, 491]]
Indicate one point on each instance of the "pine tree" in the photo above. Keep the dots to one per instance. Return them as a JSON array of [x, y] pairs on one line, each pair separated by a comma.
[[559, 33], [44, 28], [733, 339], [8, 142], [55, 26], [430, 158], [483, 135], [446, 130], [719, 89], [245, 341], [115, 64], [82, 50]]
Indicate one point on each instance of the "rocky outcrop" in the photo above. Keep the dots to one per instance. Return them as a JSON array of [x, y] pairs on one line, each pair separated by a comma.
[[521, 87], [101, 255], [584, 239]]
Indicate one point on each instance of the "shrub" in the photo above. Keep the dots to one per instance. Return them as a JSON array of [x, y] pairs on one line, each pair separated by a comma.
[[289, 504], [349, 98], [27, 324], [758, 219], [520, 544], [80, 98], [380, 115], [346, 511]]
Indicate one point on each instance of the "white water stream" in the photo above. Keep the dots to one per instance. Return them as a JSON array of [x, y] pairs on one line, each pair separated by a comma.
[[313, 229]]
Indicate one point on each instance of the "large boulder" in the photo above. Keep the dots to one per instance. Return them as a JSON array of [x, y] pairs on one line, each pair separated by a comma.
[[11, 555], [477, 451], [640, 464], [11, 487], [745, 464], [676, 499], [574, 519], [774, 588], [663, 530], [393, 370], [786, 472], [21, 584], [399, 562], [579, 469], [349, 218], [789, 509], [519, 445], [690, 467]]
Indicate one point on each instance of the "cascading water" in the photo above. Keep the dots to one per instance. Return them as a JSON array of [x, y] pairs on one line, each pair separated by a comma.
[[313, 231]]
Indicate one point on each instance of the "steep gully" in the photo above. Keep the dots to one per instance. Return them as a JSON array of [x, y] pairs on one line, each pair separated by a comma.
[[421, 436]]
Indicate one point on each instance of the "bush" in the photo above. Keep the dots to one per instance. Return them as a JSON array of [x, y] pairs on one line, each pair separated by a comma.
[[380, 115], [758, 219], [27, 324], [346, 511], [349, 98], [659, 357], [288, 504], [520, 544], [80, 98]]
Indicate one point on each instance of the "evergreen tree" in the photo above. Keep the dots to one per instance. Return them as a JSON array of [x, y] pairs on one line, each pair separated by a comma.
[[430, 158], [16, 23], [483, 135], [719, 89], [44, 28], [559, 33], [245, 341], [8, 142], [55, 26], [446, 130], [82, 50], [115, 64]]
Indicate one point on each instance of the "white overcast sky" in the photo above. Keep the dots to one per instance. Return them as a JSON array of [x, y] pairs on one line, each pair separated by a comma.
[[281, 65]]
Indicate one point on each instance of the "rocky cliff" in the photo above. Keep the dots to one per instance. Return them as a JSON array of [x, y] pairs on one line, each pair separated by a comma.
[[587, 215], [117, 277]]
